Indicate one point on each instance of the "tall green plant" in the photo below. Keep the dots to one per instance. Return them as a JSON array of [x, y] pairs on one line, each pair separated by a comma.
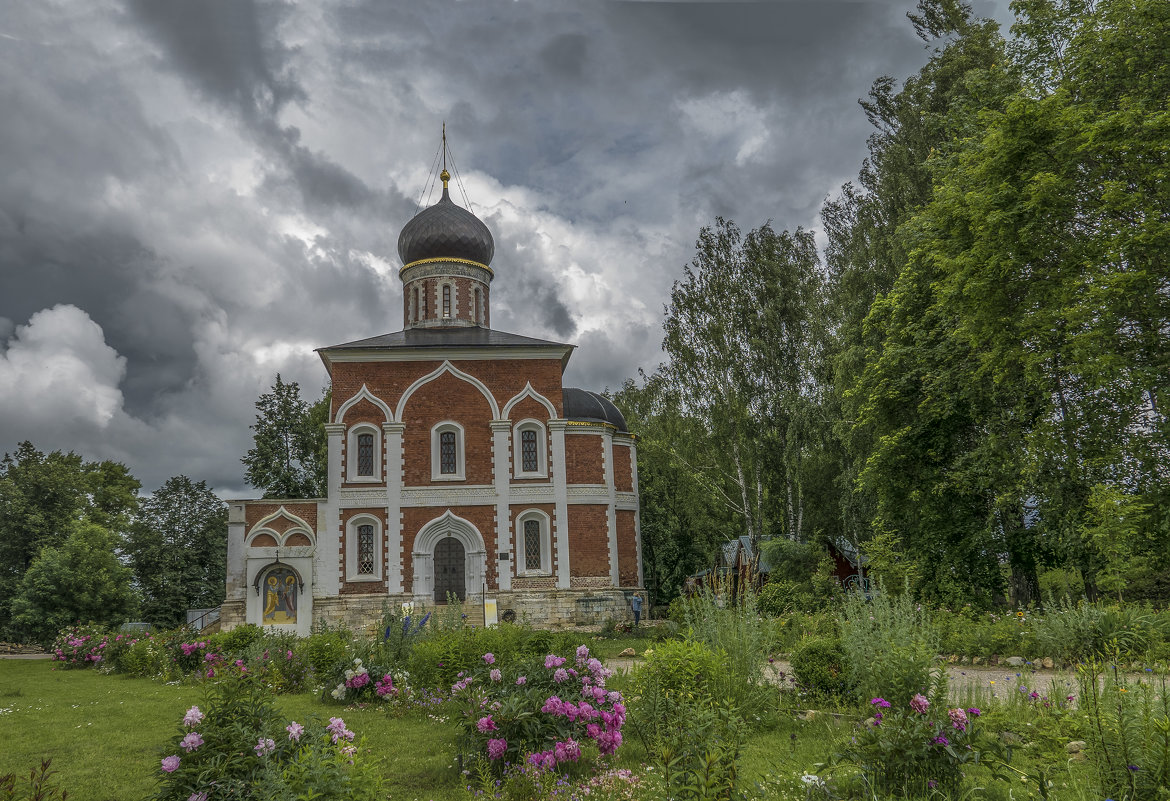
[[1129, 731], [890, 648], [735, 630]]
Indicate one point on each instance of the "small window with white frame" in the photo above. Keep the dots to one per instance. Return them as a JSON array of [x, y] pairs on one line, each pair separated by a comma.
[[533, 543], [363, 549], [529, 450], [446, 301], [447, 456], [364, 453]]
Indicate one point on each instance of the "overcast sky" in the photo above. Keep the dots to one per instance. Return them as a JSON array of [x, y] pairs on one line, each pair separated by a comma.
[[194, 195]]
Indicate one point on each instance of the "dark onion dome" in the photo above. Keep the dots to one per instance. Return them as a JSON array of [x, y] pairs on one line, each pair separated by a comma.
[[446, 231], [589, 407]]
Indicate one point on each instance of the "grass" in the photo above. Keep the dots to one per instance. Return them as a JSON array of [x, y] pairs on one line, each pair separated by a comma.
[[105, 735]]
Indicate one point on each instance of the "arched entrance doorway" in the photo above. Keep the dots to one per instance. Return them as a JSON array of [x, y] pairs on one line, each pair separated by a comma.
[[450, 570], [448, 556]]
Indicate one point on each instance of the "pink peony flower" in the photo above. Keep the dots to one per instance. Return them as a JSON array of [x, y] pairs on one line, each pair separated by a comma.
[[497, 747], [486, 724], [489, 658], [553, 661], [582, 653], [170, 764], [197, 797], [560, 675], [191, 742], [295, 730], [193, 717], [522, 680], [495, 674], [919, 703], [336, 728], [264, 746], [958, 719]]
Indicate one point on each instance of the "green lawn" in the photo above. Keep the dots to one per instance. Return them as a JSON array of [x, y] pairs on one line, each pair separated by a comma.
[[105, 733]]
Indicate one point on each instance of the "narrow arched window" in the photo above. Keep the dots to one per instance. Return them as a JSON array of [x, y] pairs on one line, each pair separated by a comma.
[[416, 304], [365, 555], [446, 300], [365, 460], [532, 545], [426, 306], [475, 307], [447, 459], [530, 462]]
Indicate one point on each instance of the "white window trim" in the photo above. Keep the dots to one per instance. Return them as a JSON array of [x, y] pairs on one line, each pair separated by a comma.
[[351, 454], [436, 474], [541, 450], [545, 543], [351, 548], [454, 302]]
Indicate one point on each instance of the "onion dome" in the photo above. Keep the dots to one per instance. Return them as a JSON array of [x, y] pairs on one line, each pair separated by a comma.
[[589, 407], [446, 232]]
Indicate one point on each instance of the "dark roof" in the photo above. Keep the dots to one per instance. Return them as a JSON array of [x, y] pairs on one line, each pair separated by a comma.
[[464, 336], [585, 406], [446, 231], [467, 336]]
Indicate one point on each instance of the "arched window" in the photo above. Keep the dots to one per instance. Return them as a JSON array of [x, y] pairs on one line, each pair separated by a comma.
[[446, 300], [415, 310], [363, 548], [475, 306], [426, 307], [365, 554], [365, 460], [447, 458], [529, 451], [533, 546]]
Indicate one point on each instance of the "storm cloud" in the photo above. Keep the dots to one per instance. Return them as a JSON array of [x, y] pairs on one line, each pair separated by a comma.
[[198, 193]]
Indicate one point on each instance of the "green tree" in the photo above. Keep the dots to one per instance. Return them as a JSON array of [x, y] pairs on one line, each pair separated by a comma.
[[43, 495], [1116, 529], [81, 580], [177, 549], [289, 456]]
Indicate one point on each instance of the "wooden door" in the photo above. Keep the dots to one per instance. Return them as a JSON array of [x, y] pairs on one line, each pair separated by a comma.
[[450, 570]]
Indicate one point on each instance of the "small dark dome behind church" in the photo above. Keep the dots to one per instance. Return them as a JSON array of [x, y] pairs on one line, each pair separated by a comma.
[[446, 231], [589, 407]]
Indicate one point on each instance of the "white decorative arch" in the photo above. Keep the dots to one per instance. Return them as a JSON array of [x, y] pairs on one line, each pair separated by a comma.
[[446, 367], [364, 394], [298, 523], [529, 392], [448, 524]]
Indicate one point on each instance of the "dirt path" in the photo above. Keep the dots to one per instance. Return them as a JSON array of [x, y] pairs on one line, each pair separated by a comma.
[[963, 681]]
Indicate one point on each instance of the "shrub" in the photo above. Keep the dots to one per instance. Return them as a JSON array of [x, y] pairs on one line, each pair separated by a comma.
[[890, 648], [1072, 633], [515, 712], [79, 646], [237, 747], [910, 750], [677, 671], [819, 666], [696, 753], [778, 598], [325, 650], [735, 631], [236, 641]]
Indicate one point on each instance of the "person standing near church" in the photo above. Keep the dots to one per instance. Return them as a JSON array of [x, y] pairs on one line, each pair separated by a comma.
[[636, 605]]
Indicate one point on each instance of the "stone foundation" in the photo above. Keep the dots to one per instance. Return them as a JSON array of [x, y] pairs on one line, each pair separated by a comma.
[[547, 609]]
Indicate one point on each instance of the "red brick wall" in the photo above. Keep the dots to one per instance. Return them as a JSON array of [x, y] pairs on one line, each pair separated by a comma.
[[482, 517], [519, 508], [298, 539], [255, 512], [361, 587], [623, 473], [447, 398], [263, 541], [583, 458], [627, 548], [505, 378], [588, 540]]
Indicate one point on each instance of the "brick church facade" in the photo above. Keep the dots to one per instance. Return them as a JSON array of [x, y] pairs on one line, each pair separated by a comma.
[[458, 465]]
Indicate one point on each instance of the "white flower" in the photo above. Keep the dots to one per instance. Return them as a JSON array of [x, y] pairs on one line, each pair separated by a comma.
[[339, 691], [348, 675], [813, 780]]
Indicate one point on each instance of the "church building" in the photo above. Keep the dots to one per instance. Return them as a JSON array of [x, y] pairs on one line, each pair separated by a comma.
[[459, 466]]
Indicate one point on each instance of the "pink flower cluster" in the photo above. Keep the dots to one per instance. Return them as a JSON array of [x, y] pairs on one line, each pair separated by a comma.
[[385, 686], [562, 751], [357, 681], [958, 719], [919, 703], [337, 730], [189, 648], [264, 745]]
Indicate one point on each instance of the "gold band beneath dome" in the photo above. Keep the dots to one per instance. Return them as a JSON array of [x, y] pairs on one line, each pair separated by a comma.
[[406, 267]]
